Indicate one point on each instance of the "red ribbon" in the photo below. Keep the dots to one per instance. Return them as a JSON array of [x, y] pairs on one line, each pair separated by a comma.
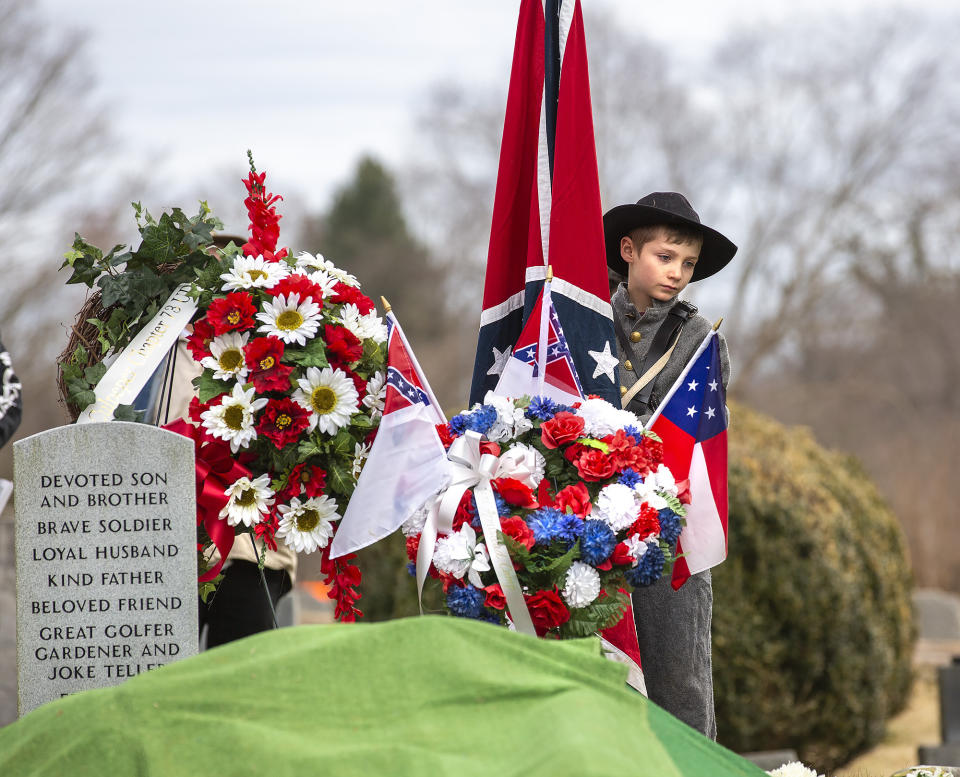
[[216, 471]]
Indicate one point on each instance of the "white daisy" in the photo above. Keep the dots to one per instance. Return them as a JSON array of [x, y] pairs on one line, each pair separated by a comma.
[[376, 395], [616, 506], [581, 585], [330, 396], [307, 526], [251, 272], [318, 263], [289, 319], [460, 554], [227, 360], [364, 327], [232, 419], [249, 501], [361, 451], [324, 280]]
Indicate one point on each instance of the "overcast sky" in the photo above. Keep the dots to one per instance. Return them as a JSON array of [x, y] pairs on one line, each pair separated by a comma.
[[310, 86]]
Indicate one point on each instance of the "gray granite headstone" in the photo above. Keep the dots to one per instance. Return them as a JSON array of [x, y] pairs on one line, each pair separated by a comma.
[[106, 561]]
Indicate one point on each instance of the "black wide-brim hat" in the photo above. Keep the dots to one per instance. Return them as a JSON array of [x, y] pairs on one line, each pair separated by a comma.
[[665, 208]]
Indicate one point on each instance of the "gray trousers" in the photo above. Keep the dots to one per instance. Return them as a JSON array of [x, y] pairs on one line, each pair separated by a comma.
[[673, 628]]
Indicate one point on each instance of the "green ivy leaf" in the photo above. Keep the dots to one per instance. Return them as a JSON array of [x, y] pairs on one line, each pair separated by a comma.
[[94, 373], [208, 386], [128, 413]]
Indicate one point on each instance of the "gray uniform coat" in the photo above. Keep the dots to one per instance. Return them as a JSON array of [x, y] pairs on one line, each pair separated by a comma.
[[673, 627]]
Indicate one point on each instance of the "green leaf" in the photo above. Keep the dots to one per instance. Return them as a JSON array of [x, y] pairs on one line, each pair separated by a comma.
[[590, 442], [309, 447], [340, 478], [652, 435], [343, 444], [361, 421], [313, 355], [94, 373], [128, 413], [673, 503], [208, 386]]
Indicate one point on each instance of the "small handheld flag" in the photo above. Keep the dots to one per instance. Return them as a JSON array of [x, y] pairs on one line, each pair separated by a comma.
[[692, 422], [407, 461]]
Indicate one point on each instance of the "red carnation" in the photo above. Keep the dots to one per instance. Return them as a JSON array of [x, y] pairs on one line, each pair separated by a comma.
[[574, 499], [297, 284], [342, 294], [342, 344], [547, 610], [543, 494], [445, 435], [263, 360], [517, 528], [562, 428], [515, 493], [593, 464], [413, 547], [647, 523], [199, 341], [495, 597], [282, 421], [490, 447], [233, 312]]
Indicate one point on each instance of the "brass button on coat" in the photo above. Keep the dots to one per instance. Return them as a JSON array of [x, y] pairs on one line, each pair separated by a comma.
[[628, 364], [635, 337], [623, 390]]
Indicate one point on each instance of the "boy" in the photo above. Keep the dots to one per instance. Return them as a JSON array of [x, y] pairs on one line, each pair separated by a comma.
[[659, 246]]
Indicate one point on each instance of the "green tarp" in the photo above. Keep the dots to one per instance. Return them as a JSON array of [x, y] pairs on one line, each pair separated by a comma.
[[418, 696]]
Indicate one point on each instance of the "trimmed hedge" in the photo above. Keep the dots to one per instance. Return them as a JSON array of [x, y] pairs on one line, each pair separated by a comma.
[[813, 626]]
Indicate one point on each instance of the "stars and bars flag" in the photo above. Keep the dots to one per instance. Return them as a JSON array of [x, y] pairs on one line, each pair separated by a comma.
[[541, 363], [547, 206], [407, 461], [692, 422]]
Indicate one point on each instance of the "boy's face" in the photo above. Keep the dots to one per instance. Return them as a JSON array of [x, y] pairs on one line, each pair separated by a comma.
[[659, 269]]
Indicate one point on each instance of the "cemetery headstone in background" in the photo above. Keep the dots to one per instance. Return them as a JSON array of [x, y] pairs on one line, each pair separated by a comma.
[[106, 566]]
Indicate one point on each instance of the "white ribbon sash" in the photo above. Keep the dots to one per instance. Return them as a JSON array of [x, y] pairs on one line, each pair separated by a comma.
[[471, 469], [138, 361]]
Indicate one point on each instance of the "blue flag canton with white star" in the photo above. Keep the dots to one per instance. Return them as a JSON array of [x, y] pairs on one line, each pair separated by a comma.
[[698, 405]]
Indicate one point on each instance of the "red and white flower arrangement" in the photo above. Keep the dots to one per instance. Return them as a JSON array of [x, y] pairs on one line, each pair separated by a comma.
[[293, 381], [586, 509]]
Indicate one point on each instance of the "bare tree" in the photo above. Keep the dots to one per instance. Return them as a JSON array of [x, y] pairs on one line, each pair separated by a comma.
[[52, 135]]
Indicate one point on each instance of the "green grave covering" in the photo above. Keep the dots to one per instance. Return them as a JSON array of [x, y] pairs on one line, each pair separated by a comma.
[[416, 696]]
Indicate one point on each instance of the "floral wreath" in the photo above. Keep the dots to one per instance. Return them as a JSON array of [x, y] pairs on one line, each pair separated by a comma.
[[291, 391], [586, 509]]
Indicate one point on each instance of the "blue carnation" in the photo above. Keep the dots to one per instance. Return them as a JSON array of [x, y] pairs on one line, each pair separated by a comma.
[[632, 431], [670, 526], [466, 602], [648, 569], [504, 510], [597, 542], [542, 408], [482, 419], [411, 569], [458, 424], [629, 477], [549, 524]]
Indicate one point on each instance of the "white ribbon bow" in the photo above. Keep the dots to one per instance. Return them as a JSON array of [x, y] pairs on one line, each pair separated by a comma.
[[469, 468]]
